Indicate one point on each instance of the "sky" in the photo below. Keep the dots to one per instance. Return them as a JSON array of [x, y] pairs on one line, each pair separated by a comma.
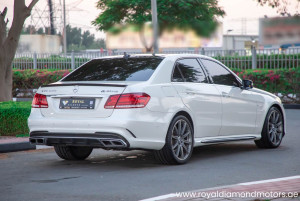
[[241, 15]]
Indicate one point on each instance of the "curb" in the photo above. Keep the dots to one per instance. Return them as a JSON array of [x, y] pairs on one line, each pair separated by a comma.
[[17, 146], [291, 106]]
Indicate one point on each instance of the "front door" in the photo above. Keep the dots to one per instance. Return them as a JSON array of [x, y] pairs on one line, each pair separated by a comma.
[[238, 105]]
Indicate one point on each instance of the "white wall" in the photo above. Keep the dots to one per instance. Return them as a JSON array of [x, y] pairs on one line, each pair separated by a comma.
[[237, 42], [39, 44]]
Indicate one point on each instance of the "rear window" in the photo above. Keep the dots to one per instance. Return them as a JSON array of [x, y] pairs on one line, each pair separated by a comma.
[[116, 69]]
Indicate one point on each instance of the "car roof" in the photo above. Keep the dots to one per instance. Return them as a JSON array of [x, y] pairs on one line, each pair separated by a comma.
[[171, 56]]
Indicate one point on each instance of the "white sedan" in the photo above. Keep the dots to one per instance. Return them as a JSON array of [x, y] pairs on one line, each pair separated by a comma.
[[165, 103]]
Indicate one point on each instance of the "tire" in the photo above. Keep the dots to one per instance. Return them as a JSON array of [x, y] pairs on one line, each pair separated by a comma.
[[272, 132], [73, 152], [179, 142]]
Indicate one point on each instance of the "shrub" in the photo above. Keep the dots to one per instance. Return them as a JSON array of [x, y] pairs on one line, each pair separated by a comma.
[[33, 79], [13, 118], [279, 81]]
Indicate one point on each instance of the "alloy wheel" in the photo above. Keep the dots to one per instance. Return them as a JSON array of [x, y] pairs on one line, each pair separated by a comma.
[[275, 127], [181, 139]]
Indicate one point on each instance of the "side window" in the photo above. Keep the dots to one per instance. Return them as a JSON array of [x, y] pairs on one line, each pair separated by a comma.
[[190, 70], [177, 76], [219, 74]]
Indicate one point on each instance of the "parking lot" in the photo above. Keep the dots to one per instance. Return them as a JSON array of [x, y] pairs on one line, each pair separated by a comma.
[[135, 175]]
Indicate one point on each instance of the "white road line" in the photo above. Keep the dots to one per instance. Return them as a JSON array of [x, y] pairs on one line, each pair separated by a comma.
[[162, 197], [270, 180], [220, 187]]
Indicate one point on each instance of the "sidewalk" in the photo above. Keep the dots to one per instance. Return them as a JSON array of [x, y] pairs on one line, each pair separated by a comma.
[[10, 144], [274, 189]]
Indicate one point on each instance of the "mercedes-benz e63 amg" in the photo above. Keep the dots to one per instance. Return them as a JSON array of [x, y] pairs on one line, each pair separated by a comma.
[[165, 103]]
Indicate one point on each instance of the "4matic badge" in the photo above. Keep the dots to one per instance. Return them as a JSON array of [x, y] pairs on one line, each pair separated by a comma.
[[109, 91]]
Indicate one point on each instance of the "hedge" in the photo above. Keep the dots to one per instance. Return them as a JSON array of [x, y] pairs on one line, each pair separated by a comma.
[[33, 79], [13, 118], [283, 82]]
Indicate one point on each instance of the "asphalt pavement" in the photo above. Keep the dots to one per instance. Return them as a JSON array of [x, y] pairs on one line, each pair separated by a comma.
[[135, 175]]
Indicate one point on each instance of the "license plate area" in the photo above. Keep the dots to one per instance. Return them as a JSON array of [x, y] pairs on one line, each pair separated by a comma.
[[77, 103]]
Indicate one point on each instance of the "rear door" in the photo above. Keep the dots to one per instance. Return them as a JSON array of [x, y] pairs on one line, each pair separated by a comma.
[[201, 97], [238, 106]]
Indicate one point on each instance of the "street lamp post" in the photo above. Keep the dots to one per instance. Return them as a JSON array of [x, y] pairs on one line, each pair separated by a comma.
[[155, 25], [253, 53], [65, 30]]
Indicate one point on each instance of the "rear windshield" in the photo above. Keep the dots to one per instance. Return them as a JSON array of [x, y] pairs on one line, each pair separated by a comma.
[[116, 69]]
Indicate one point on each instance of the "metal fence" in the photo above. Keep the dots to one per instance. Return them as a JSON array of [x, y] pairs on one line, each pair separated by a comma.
[[238, 59]]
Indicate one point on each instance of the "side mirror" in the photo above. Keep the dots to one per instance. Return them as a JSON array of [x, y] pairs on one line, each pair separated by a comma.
[[247, 84]]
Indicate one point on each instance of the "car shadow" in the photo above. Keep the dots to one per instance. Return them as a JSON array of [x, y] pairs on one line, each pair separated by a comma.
[[145, 159], [219, 150]]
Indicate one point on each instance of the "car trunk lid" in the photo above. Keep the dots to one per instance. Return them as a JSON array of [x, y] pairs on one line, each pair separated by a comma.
[[95, 94]]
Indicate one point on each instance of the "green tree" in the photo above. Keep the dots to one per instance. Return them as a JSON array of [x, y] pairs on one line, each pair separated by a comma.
[[98, 44], [87, 39], [198, 15], [40, 31], [73, 36], [280, 5], [76, 40]]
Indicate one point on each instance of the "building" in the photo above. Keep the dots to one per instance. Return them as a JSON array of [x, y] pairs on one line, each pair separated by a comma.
[[40, 44], [240, 42]]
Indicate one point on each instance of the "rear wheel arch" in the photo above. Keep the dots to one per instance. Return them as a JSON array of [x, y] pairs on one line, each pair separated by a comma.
[[182, 140], [187, 115]]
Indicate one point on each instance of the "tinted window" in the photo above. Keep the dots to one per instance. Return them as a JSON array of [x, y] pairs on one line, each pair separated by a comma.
[[219, 74], [177, 76], [116, 69], [190, 70]]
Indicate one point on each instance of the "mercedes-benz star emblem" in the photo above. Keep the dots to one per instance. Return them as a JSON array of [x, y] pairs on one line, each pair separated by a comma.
[[76, 88]]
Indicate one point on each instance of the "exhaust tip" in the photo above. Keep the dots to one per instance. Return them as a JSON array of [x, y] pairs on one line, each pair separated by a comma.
[[40, 141], [113, 143], [37, 140], [33, 141]]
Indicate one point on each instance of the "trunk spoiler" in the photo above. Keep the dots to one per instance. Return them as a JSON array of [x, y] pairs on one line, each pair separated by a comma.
[[82, 84]]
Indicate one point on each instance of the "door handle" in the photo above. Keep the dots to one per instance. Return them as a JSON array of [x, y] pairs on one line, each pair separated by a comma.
[[225, 95], [190, 92]]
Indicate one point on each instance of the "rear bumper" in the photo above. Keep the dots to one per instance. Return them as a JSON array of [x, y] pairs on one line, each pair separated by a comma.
[[139, 128], [99, 140]]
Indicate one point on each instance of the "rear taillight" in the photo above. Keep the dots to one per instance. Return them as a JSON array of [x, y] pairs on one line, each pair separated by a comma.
[[111, 102], [123, 101], [39, 101]]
